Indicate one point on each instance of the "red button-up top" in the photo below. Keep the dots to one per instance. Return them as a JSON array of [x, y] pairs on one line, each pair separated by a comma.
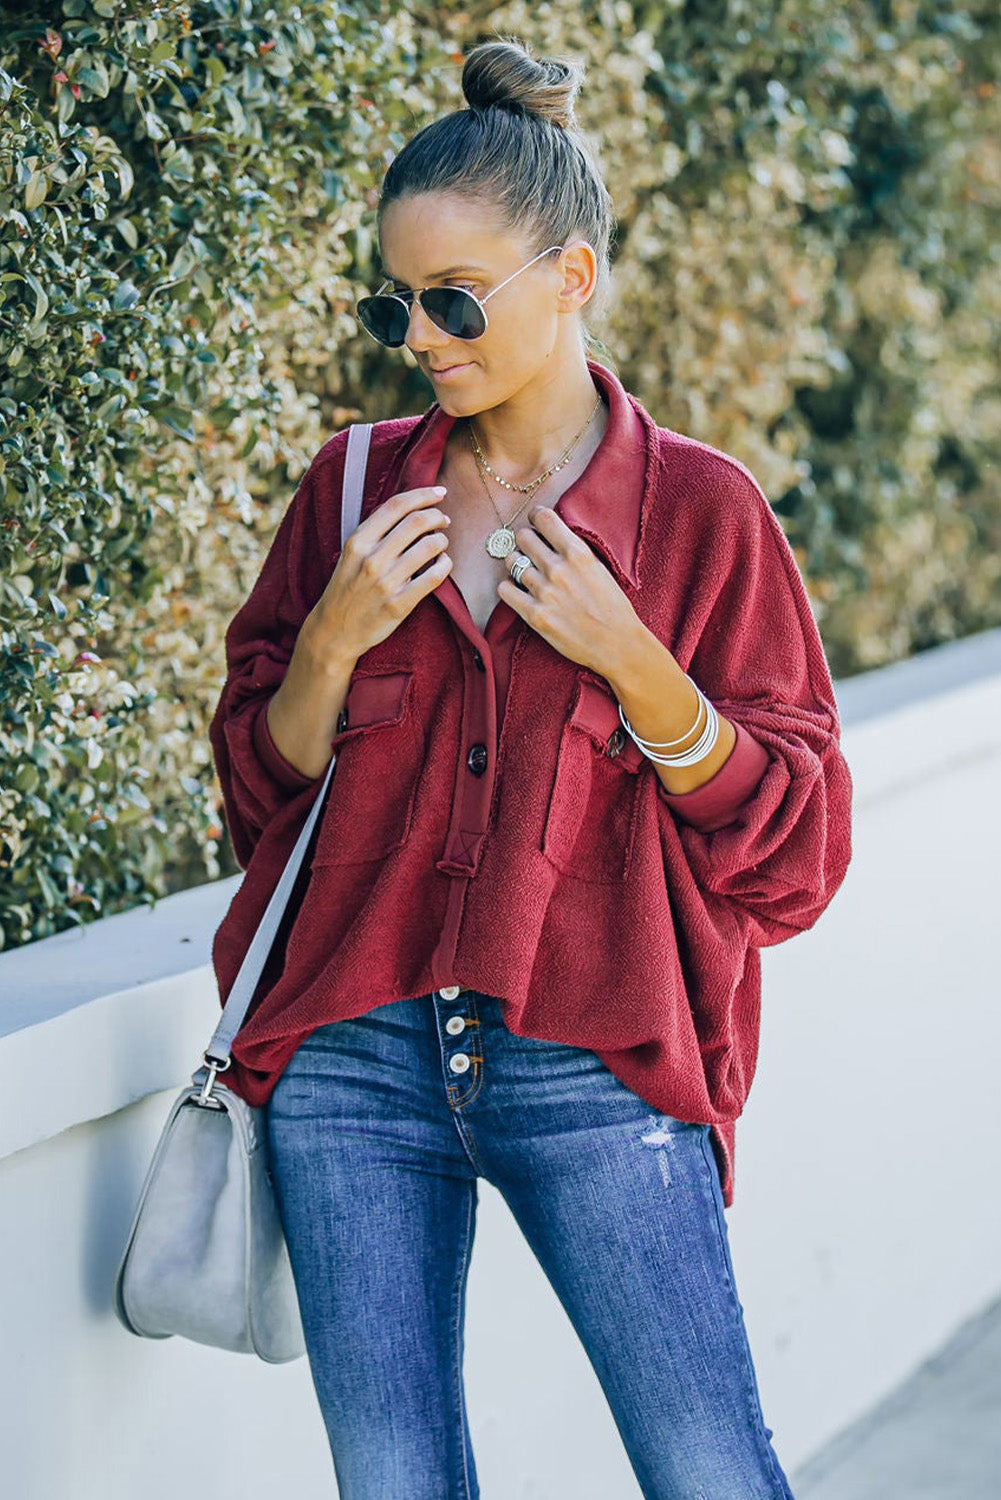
[[485, 825]]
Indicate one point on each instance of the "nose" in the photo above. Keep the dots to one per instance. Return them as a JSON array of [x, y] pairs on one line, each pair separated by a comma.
[[422, 333]]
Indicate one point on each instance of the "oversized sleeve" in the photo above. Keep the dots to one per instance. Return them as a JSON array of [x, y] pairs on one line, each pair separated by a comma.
[[257, 781], [769, 839]]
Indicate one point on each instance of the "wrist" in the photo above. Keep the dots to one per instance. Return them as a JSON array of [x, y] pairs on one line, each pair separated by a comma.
[[324, 656], [658, 697], [639, 659]]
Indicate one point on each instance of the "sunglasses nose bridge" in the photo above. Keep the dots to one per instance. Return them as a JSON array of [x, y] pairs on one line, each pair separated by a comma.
[[415, 303]]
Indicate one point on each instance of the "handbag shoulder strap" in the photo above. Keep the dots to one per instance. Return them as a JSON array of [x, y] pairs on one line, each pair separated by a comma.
[[246, 981], [353, 485]]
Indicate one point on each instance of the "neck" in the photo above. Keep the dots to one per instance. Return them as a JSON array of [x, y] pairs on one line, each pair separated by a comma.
[[524, 434]]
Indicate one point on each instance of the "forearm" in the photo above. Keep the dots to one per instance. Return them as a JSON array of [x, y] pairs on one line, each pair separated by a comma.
[[302, 714], [661, 704]]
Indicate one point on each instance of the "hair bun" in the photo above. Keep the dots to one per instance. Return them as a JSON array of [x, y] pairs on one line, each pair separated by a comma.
[[504, 74]]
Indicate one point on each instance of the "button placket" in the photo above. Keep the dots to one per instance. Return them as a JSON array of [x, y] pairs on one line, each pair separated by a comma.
[[475, 759], [461, 1059]]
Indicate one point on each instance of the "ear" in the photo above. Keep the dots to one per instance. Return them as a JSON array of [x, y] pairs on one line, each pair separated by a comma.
[[580, 275]]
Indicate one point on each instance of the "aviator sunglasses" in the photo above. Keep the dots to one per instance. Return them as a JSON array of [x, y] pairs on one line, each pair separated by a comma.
[[386, 315]]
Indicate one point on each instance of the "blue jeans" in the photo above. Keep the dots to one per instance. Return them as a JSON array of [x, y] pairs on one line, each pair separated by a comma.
[[377, 1131]]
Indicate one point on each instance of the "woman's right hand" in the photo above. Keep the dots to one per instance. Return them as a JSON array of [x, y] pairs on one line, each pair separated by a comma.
[[373, 586]]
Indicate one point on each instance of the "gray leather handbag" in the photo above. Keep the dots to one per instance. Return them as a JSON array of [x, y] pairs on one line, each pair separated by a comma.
[[206, 1256]]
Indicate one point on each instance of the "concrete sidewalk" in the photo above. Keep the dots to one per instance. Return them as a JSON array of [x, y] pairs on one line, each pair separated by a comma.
[[936, 1437]]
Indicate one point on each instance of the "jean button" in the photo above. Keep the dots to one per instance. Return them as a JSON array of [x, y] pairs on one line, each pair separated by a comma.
[[459, 1063], [454, 1025], [450, 992]]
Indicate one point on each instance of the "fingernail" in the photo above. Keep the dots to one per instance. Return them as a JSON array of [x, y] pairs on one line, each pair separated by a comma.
[[441, 489]]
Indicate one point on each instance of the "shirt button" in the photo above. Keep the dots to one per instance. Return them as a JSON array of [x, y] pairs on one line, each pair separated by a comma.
[[477, 759], [478, 659], [342, 720], [454, 1025], [450, 992], [459, 1063], [616, 740]]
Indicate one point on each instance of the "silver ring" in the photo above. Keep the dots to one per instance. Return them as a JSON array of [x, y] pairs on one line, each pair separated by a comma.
[[519, 567]]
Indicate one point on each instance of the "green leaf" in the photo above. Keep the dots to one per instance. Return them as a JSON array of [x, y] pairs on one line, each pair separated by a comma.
[[110, 408], [26, 777], [126, 295], [50, 893], [95, 79], [41, 301], [178, 420], [126, 178], [34, 193]]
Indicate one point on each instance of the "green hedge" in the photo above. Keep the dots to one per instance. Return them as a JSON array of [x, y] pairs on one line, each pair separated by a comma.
[[806, 275], [156, 170]]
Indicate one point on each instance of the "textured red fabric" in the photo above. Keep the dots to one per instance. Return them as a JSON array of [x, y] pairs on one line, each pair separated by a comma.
[[550, 872]]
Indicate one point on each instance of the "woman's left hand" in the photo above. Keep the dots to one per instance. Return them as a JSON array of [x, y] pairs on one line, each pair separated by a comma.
[[568, 594]]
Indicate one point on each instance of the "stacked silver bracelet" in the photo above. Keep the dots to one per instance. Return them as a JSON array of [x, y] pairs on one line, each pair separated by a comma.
[[698, 751]]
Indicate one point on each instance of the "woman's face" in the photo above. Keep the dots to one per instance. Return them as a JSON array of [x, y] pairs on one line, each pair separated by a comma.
[[530, 327]]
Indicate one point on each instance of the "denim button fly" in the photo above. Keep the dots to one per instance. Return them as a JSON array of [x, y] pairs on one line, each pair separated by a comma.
[[459, 1063], [455, 1024], [450, 992]]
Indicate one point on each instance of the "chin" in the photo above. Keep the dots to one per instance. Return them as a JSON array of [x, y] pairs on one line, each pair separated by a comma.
[[457, 403]]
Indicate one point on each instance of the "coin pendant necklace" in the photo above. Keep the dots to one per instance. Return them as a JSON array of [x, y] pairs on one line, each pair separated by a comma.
[[500, 542]]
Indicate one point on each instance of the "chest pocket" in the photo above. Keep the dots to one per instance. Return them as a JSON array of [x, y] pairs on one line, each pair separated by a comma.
[[592, 806], [380, 752]]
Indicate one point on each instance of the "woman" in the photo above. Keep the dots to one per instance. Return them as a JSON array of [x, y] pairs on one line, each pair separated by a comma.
[[587, 765]]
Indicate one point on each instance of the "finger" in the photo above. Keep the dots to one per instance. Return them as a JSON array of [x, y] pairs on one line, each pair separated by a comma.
[[528, 579], [553, 528], [426, 549], [543, 516], [521, 602], [534, 547], [393, 510]]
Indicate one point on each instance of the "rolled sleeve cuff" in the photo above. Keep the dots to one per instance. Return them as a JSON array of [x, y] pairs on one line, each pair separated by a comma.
[[274, 761], [719, 800]]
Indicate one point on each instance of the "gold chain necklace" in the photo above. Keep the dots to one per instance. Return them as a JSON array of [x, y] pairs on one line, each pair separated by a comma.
[[501, 541]]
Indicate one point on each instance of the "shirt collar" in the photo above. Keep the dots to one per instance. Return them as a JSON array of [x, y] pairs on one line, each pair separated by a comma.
[[605, 504]]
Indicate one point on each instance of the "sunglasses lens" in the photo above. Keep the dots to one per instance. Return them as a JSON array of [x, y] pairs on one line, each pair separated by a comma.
[[386, 318], [450, 308], [454, 311]]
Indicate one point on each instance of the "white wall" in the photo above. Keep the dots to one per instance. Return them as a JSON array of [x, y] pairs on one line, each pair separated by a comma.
[[866, 1221], [863, 1231]]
